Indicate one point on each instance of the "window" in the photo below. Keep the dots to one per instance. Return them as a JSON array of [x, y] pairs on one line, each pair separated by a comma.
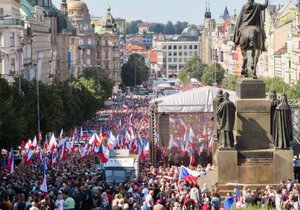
[[185, 47], [185, 53], [12, 39], [195, 53], [169, 60], [179, 60], [175, 60], [98, 55], [98, 43], [106, 42], [106, 66], [175, 47], [179, 47], [175, 53], [190, 53], [180, 53], [195, 47], [170, 53], [106, 55], [191, 47], [185, 59], [170, 47], [12, 65]]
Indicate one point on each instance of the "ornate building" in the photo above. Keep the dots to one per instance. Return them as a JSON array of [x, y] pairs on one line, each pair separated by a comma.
[[11, 38], [110, 49], [84, 43]]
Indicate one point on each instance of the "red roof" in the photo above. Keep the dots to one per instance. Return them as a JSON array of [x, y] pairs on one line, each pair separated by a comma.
[[134, 47]]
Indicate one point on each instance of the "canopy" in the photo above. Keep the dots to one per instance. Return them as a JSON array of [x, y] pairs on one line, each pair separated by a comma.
[[196, 100]]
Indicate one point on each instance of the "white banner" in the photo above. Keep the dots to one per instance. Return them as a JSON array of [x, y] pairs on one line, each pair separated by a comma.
[[119, 162]]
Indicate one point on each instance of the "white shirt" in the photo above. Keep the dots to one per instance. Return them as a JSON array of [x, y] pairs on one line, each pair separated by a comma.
[[145, 192], [59, 204]]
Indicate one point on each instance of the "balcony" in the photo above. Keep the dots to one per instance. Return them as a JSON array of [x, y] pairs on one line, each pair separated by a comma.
[[11, 22]]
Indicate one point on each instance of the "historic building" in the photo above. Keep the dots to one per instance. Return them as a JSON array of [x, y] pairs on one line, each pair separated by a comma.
[[11, 39], [84, 43]]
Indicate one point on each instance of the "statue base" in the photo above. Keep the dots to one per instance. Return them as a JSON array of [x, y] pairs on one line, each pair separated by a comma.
[[250, 88]]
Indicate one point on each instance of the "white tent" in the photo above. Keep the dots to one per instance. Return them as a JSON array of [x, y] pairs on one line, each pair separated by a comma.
[[196, 100]]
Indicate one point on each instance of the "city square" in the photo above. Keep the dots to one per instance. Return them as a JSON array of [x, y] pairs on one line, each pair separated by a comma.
[[137, 106]]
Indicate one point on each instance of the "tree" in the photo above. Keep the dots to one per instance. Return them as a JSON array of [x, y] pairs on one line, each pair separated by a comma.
[[184, 77], [276, 84], [229, 82], [179, 26], [194, 67], [212, 74], [133, 27], [169, 28], [157, 28], [135, 71]]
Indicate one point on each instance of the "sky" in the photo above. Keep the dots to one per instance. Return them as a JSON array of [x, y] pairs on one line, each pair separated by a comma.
[[162, 11]]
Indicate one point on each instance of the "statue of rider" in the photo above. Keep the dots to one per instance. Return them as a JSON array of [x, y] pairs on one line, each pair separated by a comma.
[[251, 15]]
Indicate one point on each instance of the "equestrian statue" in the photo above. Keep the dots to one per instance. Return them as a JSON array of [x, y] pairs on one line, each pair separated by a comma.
[[249, 34]]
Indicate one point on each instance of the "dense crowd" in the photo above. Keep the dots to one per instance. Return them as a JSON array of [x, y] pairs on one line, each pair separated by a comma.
[[77, 183]]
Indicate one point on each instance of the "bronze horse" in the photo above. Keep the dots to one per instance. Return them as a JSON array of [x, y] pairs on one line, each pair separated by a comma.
[[251, 39]]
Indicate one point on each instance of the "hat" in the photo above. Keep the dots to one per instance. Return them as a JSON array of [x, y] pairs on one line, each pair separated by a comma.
[[158, 201]]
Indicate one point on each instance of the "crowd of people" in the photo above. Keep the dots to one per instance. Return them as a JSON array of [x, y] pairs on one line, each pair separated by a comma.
[[78, 184]]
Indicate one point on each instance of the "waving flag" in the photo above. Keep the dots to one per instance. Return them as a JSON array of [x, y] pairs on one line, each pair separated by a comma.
[[43, 186], [52, 144], [81, 133], [53, 158], [187, 174], [34, 144], [27, 157], [64, 150], [103, 153], [143, 148], [61, 133], [28, 145], [11, 162], [84, 152], [181, 128]]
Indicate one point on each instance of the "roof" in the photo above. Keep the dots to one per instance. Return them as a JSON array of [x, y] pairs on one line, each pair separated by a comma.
[[26, 8], [133, 47], [196, 100], [281, 51], [77, 4], [153, 56]]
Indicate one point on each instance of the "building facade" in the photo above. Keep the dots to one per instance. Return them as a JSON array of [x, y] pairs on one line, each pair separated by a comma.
[[174, 53]]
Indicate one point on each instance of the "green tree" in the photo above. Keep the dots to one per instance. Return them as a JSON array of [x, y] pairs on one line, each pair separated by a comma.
[[293, 92], [179, 26], [213, 73], [184, 77], [169, 28], [276, 84], [157, 28], [133, 27], [229, 82], [194, 68], [135, 71]]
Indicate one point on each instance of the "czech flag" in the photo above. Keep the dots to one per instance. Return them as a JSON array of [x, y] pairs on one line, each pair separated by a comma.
[[119, 125], [11, 162], [27, 157], [187, 174], [43, 186], [52, 144], [103, 153]]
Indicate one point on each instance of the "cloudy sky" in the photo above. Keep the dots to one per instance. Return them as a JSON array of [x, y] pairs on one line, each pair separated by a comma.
[[162, 11]]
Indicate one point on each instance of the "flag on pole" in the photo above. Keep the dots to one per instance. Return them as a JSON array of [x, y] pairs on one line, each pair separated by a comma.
[[103, 153], [11, 162], [27, 157], [52, 143], [187, 174], [43, 186]]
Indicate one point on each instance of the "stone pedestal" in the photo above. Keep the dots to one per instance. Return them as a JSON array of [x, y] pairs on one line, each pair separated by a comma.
[[227, 166], [283, 165], [215, 146], [250, 88], [252, 125]]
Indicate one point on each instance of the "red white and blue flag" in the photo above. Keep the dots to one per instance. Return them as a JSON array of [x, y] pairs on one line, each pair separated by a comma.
[[11, 162], [103, 153], [187, 174], [27, 157]]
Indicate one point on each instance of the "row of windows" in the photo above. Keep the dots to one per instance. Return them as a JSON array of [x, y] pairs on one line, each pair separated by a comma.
[[175, 66], [180, 47], [185, 53], [170, 60]]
